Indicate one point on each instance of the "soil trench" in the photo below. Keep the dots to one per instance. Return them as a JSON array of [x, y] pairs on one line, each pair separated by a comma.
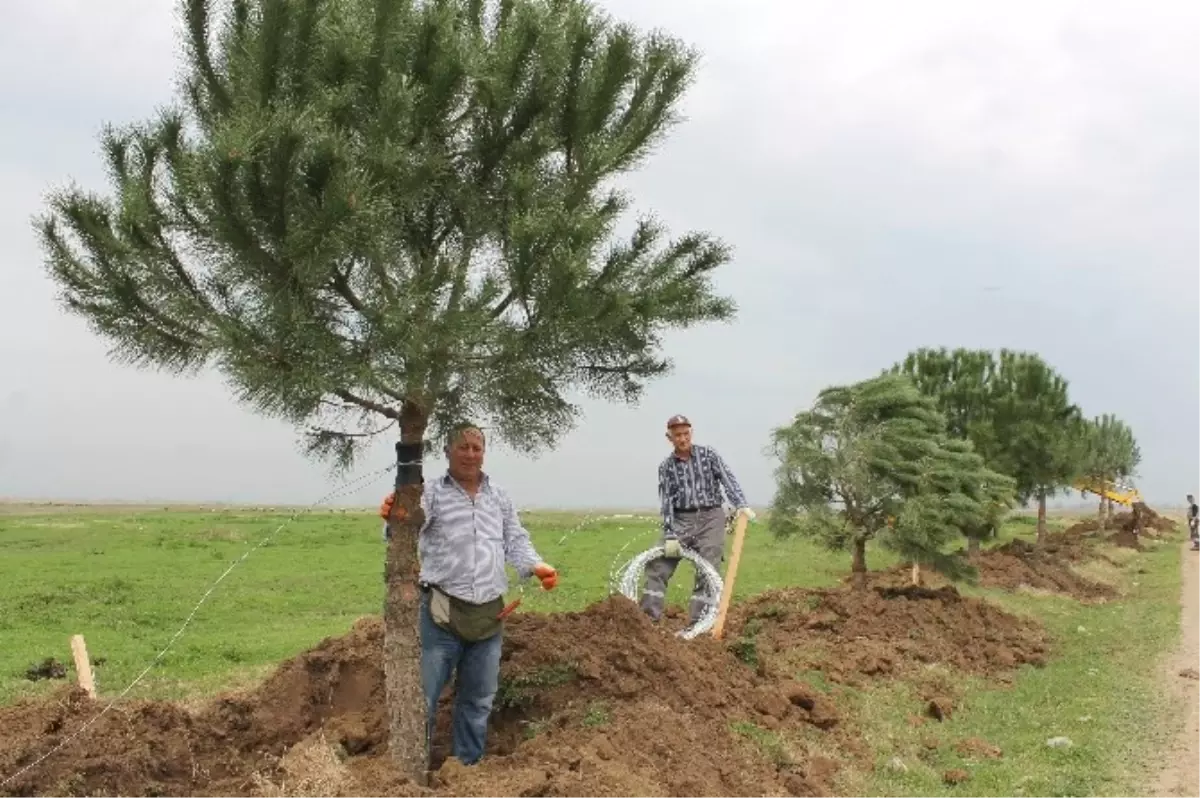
[[1180, 770]]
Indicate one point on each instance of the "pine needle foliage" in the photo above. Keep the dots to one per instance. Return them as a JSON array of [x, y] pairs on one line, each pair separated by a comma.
[[874, 460], [365, 211]]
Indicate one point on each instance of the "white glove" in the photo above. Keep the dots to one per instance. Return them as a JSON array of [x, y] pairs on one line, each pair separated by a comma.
[[750, 516]]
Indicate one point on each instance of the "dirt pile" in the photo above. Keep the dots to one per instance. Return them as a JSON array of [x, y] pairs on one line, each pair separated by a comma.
[[1125, 538], [600, 702], [1019, 563], [1153, 524], [881, 631], [1044, 567]]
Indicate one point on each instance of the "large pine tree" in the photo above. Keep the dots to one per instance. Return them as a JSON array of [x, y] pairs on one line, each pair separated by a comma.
[[397, 211]]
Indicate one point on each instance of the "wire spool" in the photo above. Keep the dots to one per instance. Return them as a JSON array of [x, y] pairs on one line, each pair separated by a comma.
[[629, 579]]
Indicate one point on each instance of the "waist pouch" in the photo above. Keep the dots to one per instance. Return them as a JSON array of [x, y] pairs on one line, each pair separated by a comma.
[[471, 622]]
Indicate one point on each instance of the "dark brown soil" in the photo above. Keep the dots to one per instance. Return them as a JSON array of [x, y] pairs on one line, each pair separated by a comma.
[[1045, 567], [1153, 524], [886, 630], [600, 702], [1126, 538]]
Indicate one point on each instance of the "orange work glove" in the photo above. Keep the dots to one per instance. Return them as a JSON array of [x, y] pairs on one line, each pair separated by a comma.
[[548, 575], [385, 509]]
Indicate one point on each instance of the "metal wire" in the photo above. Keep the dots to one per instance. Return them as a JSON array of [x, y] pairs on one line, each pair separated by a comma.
[[629, 579], [343, 488]]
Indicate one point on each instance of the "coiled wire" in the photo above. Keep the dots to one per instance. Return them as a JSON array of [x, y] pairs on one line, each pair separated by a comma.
[[629, 579]]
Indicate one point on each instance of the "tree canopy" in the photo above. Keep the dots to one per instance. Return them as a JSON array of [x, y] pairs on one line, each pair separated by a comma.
[[959, 381], [358, 208], [1106, 451], [1013, 407]]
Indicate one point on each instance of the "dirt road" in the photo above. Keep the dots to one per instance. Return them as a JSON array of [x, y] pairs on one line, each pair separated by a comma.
[[1181, 770]]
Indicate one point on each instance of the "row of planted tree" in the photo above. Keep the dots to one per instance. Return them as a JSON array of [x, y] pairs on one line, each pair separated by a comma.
[[940, 446]]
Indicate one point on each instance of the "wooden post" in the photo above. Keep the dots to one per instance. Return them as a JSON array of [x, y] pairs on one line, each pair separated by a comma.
[[739, 535], [83, 665]]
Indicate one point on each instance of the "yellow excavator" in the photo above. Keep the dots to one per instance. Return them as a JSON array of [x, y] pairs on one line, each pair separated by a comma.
[[1118, 492]]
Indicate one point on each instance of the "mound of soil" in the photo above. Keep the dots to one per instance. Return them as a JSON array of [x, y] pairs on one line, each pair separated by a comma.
[[1153, 524], [1045, 567], [881, 631], [600, 702], [1126, 538]]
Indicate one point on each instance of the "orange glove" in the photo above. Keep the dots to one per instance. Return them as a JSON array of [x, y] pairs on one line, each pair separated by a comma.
[[548, 575], [385, 509]]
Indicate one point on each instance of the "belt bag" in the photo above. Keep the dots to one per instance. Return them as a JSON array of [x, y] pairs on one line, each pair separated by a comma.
[[471, 622]]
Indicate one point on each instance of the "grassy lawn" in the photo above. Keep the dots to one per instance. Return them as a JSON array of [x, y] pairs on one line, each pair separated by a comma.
[[127, 581]]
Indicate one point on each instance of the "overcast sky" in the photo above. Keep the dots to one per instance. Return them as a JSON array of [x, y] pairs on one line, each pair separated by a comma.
[[891, 175]]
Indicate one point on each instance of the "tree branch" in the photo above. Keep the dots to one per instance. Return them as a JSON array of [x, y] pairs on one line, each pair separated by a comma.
[[340, 283], [368, 404]]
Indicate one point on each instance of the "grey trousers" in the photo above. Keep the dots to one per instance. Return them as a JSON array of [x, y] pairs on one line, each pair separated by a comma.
[[704, 532]]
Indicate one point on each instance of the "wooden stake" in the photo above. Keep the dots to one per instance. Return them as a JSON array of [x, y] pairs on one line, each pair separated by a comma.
[[916, 573], [83, 665], [739, 535]]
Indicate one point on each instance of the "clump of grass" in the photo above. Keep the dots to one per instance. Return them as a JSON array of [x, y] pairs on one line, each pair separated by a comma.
[[768, 743], [520, 691]]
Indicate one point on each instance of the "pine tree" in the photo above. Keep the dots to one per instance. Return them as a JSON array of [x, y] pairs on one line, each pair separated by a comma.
[[958, 495], [398, 211], [1035, 429], [873, 460], [1107, 454], [959, 381]]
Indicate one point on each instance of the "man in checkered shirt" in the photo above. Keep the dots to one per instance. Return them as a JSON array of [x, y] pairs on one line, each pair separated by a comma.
[[690, 481]]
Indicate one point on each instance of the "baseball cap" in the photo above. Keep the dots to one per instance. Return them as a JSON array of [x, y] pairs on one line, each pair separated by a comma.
[[678, 421]]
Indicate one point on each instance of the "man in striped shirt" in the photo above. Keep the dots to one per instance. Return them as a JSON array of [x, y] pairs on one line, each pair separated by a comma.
[[471, 529], [690, 481]]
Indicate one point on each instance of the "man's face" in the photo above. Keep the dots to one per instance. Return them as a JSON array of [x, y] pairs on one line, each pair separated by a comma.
[[466, 454], [1191, 499], [681, 437]]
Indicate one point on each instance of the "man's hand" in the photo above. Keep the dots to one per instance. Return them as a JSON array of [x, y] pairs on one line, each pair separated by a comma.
[[671, 549], [385, 509], [547, 575], [750, 516]]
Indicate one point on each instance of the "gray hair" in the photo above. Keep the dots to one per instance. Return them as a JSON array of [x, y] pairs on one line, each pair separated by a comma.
[[456, 432]]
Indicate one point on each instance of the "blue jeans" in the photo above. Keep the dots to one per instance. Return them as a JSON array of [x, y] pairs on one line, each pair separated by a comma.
[[478, 679]]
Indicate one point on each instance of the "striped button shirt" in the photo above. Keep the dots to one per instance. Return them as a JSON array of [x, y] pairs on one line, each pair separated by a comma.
[[694, 483], [465, 542]]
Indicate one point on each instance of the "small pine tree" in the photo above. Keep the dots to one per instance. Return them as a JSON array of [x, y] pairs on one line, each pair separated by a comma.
[[958, 495], [873, 460]]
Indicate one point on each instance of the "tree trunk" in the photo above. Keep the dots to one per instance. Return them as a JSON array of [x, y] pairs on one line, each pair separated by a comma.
[[858, 570], [972, 549], [1100, 514], [1041, 518], [408, 735]]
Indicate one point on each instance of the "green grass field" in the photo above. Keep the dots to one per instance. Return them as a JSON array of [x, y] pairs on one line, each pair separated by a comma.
[[126, 580]]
